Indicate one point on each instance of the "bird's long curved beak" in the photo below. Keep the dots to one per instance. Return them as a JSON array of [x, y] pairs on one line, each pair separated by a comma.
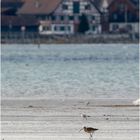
[[80, 129]]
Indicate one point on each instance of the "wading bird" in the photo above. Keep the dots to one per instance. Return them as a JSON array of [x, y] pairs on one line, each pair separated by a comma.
[[89, 130], [84, 116], [87, 103]]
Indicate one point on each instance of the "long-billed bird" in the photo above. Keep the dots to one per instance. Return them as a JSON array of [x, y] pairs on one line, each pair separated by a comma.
[[89, 130]]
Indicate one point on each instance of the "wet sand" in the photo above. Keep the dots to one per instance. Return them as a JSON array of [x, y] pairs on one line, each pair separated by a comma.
[[59, 119]]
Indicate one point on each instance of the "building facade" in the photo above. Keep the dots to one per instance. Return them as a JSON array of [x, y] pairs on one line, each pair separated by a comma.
[[11, 22], [63, 16], [123, 17], [66, 18]]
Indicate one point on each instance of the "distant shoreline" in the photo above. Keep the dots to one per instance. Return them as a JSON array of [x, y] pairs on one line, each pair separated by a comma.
[[30, 38]]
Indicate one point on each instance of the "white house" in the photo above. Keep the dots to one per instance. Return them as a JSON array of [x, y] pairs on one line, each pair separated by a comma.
[[62, 16]]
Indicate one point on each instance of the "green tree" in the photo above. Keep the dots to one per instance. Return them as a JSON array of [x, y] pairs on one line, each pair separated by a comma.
[[83, 25]]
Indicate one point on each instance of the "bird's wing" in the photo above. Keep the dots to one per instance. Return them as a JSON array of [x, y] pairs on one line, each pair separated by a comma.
[[90, 128]]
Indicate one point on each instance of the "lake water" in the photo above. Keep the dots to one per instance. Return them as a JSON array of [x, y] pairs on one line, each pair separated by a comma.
[[71, 71]]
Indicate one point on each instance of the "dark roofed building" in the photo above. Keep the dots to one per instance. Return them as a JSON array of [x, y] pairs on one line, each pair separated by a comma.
[[123, 16], [123, 11], [11, 22], [15, 23]]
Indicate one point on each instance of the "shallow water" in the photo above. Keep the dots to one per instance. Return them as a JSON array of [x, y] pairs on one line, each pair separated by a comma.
[[76, 71]]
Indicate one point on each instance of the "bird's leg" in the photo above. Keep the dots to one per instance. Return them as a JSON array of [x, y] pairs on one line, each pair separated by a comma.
[[90, 138], [91, 135]]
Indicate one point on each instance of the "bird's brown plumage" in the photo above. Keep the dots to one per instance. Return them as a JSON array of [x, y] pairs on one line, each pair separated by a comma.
[[89, 129]]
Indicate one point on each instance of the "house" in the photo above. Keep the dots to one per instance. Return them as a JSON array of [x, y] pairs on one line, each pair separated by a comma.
[[10, 22], [17, 23], [103, 5], [62, 16], [123, 16]]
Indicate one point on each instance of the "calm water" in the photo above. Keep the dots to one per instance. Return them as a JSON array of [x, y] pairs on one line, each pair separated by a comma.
[[78, 71]]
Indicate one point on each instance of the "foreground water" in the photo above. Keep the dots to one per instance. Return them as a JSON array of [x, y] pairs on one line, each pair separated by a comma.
[[74, 71]]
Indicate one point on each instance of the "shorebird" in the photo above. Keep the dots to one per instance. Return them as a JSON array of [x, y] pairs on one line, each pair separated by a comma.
[[87, 103], [89, 130], [84, 116]]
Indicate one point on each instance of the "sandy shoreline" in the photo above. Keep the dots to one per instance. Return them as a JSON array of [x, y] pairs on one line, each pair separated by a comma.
[[60, 119]]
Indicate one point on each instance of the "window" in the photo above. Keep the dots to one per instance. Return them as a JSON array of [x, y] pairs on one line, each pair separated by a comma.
[[46, 28], [71, 17], [76, 7], [65, 7], [93, 17], [115, 17], [53, 18], [87, 7], [62, 18], [62, 28]]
